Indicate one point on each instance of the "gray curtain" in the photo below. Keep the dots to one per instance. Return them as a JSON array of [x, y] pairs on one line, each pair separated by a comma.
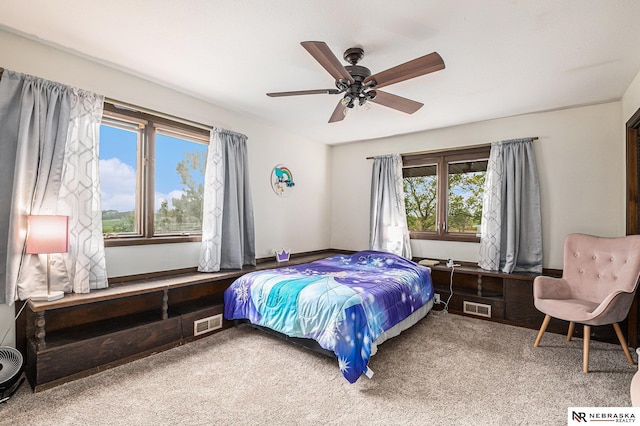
[[37, 120], [34, 118], [388, 222], [40, 121], [511, 230], [228, 237]]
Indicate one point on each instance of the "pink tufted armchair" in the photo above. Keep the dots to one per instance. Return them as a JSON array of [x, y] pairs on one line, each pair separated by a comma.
[[597, 287]]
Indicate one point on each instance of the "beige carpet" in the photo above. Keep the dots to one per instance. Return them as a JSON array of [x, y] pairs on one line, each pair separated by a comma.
[[446, 370]]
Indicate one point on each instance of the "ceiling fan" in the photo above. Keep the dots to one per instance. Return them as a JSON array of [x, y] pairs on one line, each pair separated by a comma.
[[357, 83]]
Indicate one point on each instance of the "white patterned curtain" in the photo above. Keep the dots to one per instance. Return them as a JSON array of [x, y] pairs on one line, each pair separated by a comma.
[[39, 123], [84, 266], [491, 222], [388, 225], [511, 229], [213, 205], [228, 237]]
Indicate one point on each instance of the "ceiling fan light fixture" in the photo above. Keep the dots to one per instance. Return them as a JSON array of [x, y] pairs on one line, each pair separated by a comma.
[[347, 101]]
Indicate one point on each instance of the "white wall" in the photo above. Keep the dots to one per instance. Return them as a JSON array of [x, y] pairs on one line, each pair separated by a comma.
[[631, 99], [579, 157], [299, 222]]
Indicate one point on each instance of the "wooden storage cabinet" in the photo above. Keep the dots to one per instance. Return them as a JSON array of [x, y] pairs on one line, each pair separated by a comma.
[[68, 343], [509, 296], [519, 301], [63, 359], [197, 302], [82, 334]]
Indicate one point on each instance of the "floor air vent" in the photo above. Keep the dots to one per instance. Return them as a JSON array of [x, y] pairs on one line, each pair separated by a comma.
[[478, 309], [206, 325]]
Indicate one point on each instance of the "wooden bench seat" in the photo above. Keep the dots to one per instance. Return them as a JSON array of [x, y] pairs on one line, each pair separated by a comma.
[[82, 334]]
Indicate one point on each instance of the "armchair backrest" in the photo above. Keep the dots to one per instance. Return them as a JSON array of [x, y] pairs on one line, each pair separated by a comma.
[[597, 266]]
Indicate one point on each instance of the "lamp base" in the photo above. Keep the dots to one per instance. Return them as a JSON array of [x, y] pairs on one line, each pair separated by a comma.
[[47, 297]]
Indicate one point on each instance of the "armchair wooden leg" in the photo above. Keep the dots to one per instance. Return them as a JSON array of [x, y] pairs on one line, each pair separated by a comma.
[[585, 351], [623, 342], [572, 327], [543, 327]]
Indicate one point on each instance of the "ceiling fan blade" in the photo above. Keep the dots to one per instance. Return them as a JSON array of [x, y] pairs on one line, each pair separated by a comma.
[[305, 92], [338, 113], [396, 102], [415, 68], [321, 53]]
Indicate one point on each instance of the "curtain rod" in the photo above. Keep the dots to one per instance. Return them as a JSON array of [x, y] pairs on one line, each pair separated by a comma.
[[534, 138], [149, 111]]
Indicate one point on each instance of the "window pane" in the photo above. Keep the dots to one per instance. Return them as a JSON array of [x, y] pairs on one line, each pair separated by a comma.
[[466, 185], [179, 184], [420, 189], [118, 181]]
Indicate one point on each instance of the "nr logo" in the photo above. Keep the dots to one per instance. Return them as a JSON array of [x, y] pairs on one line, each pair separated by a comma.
[[579, 416]]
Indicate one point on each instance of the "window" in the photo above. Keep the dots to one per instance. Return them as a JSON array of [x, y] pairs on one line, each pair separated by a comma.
[[443, 193], [151, 178]]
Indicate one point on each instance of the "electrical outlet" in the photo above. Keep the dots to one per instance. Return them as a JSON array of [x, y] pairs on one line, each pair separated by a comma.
[[436, 298]]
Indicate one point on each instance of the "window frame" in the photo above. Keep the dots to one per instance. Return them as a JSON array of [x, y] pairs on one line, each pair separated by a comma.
[[442, 158], [145, 173]]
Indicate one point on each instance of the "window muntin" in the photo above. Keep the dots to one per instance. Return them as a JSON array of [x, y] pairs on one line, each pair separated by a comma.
[[164, 199], [443, 193]]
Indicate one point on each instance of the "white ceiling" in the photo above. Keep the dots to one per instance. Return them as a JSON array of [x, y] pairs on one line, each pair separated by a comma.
[[503, 57]]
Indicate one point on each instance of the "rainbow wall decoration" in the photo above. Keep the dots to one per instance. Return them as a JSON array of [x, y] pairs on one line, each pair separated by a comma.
[[281, 180]]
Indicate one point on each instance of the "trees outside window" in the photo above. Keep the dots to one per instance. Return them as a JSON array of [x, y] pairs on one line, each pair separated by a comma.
[[179, 210], [420, 188], [443, 193]]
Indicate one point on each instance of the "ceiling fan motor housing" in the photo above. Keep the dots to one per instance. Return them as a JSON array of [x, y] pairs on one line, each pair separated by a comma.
[[356, 91], [353, 55]]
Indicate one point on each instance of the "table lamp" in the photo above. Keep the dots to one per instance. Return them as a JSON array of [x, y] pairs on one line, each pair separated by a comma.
[[47, 234]]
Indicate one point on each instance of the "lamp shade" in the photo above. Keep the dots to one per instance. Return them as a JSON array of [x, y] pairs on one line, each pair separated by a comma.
[[47, 234]]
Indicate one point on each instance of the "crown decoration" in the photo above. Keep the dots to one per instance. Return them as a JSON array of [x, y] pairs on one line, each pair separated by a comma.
[[283, 256]]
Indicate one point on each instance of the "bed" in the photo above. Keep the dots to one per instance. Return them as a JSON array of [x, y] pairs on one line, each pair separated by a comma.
[[348, 304]]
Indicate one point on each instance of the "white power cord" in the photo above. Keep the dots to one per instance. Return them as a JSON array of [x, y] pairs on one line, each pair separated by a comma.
[[446, 304], [453, 266]]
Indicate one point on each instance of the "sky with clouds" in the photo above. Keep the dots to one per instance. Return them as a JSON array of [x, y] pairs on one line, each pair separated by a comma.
[[118, 187], [118, 173]]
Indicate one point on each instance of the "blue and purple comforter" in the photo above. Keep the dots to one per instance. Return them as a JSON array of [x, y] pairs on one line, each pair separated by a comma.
[[343, 302]]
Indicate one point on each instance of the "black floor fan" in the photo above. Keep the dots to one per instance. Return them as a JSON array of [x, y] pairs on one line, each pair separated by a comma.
[[11, 364]]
